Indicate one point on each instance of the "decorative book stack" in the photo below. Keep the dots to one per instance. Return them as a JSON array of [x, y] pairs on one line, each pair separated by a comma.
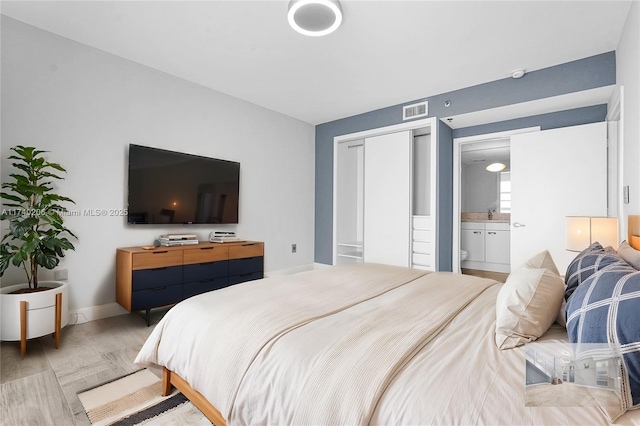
[[176, 240]]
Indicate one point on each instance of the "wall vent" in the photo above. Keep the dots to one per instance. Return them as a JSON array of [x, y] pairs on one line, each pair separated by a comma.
[[415, 110]]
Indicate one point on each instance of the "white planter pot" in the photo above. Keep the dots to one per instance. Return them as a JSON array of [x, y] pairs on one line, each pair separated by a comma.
[[41, 310]]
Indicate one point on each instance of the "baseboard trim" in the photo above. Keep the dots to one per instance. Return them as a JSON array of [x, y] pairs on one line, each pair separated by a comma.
[[321, 266], [289, 271], [92, 313]]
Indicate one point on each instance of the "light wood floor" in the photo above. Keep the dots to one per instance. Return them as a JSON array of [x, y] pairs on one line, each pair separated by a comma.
[[498, 276], [42, 388], [569, 395]]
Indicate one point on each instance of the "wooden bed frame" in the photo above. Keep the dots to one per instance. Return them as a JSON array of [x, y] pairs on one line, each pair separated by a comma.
[[634, 232], [170, 378]]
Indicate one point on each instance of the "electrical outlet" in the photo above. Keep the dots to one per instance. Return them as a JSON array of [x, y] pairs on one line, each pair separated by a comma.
[[294, 248], [61, 274]]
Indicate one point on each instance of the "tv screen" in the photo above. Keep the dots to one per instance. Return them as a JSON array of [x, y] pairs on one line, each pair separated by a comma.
[[172, 187]]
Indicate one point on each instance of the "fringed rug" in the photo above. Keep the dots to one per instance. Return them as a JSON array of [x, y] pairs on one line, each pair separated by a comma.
[[136, 399]]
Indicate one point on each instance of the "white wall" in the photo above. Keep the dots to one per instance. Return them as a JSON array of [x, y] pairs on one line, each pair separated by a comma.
[[86, 106], [628, 75]]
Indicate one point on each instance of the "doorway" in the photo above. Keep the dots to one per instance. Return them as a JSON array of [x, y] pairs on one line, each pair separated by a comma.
[[485, 208], [547, 168], [491, 198]]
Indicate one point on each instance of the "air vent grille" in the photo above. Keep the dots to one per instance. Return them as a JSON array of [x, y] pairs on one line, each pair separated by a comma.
[[416, 110]]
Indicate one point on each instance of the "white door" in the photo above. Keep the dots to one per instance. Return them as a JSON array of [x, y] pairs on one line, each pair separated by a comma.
[[387, 198], [554, 174]]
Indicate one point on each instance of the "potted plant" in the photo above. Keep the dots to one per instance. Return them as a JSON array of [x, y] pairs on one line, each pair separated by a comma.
[[37, 238]]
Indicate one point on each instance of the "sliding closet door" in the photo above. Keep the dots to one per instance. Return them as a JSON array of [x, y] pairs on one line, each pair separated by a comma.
[[387, 198]]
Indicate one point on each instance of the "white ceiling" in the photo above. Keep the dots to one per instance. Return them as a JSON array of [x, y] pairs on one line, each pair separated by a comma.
[[486, 152], [385, 53]]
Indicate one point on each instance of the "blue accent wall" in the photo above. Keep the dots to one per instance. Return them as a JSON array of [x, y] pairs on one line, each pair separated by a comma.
[[572, 117], [584, 74]]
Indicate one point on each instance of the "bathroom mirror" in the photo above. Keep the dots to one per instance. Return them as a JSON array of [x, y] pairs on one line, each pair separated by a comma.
[[483, 190]]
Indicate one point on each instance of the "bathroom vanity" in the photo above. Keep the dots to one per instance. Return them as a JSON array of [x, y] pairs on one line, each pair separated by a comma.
[[487, 243]]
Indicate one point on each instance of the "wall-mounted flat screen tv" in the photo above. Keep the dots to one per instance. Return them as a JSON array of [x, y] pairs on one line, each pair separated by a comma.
[[171, 187]]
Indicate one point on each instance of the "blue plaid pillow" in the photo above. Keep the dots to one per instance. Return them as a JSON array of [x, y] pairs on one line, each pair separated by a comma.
[[605, 308], [591, 260]]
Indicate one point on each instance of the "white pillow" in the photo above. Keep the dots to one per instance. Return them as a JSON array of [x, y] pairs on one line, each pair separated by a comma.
[[527, 305], [562, 314], [629, 254], [542, 260]]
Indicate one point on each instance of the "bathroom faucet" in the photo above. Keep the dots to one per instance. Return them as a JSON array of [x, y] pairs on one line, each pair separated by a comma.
[[490, 213]]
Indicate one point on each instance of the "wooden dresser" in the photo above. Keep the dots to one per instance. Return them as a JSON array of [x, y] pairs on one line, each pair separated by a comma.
[[147, 279]]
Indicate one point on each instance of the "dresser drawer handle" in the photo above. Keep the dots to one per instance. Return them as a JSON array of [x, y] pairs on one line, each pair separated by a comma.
[[249, 244], [159, 269], [159, 288], [491, 233], [207, 248], [160, 252]]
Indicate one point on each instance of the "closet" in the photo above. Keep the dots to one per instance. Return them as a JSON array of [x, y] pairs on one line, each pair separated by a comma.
[[384, 196]]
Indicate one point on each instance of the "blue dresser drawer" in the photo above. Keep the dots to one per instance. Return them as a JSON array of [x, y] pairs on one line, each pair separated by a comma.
[[191, 289], [250, 276], [151, 278], [157, 296], [205, 271], [248, 264]]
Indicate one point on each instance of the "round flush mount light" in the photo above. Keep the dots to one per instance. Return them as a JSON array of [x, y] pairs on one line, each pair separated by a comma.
[[496, 167], [315, 17]]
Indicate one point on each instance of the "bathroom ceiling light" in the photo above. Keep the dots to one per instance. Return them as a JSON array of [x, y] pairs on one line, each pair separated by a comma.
[[315, 17], [496, 167]]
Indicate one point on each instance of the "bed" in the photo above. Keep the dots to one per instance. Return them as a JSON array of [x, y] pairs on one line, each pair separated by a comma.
[[361, 344]]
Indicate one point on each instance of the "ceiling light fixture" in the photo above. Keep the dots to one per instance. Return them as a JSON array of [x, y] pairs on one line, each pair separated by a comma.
[[315, 17], [496, 167]]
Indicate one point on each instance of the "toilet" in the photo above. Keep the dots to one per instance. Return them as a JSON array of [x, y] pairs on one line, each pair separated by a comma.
[[463, 255]]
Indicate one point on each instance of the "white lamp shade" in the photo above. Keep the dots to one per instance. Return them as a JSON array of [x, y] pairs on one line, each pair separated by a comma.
[[583, 231], [605, 231], [578, 233]]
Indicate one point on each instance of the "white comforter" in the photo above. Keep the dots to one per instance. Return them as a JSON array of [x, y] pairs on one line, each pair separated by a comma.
[[305, 350], [211, 340]]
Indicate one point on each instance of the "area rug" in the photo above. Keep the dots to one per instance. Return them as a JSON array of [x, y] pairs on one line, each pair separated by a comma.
[[136, 399]]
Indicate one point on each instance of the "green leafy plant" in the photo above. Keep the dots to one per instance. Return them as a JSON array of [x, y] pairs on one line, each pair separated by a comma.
[[36, 231]]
